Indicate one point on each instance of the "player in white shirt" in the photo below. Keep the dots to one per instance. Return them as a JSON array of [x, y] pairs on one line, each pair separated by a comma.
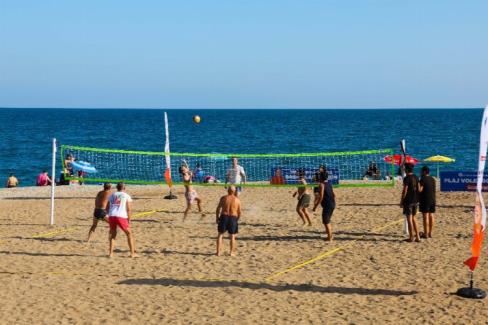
[[119, 214], [236, 176]]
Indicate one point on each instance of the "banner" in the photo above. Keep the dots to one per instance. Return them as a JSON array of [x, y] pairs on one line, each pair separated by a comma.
[[290, 175], [479, 207], [461, 181]]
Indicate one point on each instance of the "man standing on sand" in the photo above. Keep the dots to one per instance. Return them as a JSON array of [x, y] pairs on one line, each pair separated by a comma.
[[227, 215], [236, 175], [119, 214], [409, 201], [100, 212], [327, 200], [427, 201]]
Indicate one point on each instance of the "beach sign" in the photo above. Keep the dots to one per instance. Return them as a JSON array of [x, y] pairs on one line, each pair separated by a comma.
[[461, 181]]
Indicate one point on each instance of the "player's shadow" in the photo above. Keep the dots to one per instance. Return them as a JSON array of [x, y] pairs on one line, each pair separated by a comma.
[[170, 252], [23, 198], [167, 282], [368, 204], [50, 239], [307, 237], [45, 254], [348, 233]]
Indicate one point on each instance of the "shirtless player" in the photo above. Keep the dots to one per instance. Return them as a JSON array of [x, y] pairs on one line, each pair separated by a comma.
[[100, 212], [227, 215]]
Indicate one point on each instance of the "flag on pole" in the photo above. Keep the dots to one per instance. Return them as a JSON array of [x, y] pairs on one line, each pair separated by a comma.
[[479, 207], [167, 173]]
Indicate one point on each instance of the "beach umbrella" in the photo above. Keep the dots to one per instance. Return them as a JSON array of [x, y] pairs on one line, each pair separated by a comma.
[[397, 159], [439, 159]]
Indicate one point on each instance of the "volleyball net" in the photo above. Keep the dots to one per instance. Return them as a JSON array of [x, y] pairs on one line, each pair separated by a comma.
[[346, 169]]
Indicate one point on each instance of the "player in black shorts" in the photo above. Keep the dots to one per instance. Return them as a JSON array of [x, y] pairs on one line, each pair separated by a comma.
[[427, 201], [100, 212], [409, 201], [328, 203]]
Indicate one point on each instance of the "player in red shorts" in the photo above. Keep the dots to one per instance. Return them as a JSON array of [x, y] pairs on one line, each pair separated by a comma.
[[119, 213]]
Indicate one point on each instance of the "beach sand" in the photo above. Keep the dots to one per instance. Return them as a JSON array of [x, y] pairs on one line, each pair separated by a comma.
[[367, 275]]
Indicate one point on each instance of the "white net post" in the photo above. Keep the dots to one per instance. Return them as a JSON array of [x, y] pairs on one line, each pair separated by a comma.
[[53, 184]]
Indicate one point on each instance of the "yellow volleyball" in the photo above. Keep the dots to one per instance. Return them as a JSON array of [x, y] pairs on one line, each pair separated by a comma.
[[196, 119]]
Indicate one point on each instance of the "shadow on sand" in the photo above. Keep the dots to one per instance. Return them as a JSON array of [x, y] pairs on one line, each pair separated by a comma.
[[167, 282]]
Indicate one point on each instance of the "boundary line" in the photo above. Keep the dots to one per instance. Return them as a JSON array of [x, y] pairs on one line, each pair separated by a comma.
[[326, 254]]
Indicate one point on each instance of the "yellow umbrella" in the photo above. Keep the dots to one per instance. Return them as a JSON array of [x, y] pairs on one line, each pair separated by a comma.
[[439, 159]]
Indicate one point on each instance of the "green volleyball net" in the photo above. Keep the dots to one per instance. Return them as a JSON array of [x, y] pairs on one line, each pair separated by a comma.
[[345, 169]]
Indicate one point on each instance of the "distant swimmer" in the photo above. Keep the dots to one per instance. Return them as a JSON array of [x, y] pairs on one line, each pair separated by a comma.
[[409, 201], [100, 212], [328, 203], [427, 201], [227, 216], [12, 181], [119, 214], [236, 176], [191, 195], [303, 198]]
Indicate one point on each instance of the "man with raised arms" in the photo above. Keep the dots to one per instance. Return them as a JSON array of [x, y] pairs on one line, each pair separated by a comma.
[[101, 204], [119, 212], [191, 195], [227, 216]]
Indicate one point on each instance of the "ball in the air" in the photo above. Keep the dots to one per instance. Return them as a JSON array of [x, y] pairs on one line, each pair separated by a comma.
[[196, 119]]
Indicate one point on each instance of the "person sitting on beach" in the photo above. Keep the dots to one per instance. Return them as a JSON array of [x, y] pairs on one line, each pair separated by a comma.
[[235, 176], [100, 212], [427, 201], [67, 164], [43, 179], [12, 181], [328, 203], [303, 198], [409, 201], [277, 179], [227, 216], [191, 195], [372, 171], [119, 214]]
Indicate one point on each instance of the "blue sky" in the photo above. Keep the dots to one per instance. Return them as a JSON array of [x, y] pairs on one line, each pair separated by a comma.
[[238, 54]]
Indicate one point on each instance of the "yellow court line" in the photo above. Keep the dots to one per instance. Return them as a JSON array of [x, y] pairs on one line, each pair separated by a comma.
[[325, 254], [53, 233], [146, 213]]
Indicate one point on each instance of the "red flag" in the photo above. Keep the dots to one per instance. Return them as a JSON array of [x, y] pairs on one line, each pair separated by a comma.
[[167, 177], [479, 207]]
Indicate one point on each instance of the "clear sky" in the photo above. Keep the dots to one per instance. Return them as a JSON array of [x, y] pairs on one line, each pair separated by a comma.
[[239, 54]]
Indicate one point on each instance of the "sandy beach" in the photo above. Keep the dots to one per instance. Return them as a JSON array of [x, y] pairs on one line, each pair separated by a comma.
[[50, 275]]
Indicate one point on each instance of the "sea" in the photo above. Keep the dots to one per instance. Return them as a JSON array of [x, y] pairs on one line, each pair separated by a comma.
[[26, 134]]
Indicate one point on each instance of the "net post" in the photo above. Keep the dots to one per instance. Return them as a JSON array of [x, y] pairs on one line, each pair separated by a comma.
[[53, 183]]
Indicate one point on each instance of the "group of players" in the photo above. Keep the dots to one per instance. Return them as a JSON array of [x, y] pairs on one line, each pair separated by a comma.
[[116, 208]]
